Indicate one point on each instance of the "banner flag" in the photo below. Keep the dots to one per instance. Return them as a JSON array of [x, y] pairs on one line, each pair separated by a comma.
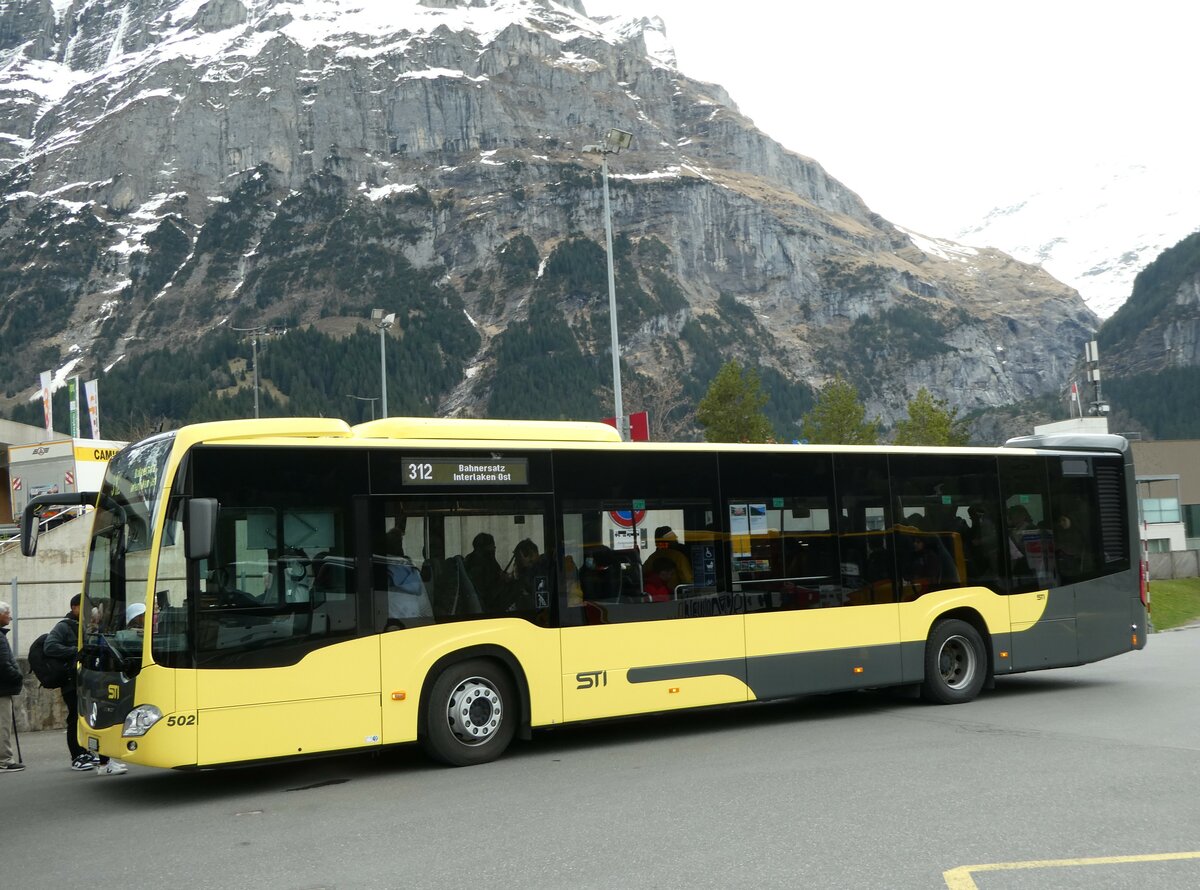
[[92, 396], [47, 402], [73, 395]]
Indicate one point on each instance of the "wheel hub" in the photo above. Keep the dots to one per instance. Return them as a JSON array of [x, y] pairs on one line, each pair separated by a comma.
[[474, 711], [956, 662]]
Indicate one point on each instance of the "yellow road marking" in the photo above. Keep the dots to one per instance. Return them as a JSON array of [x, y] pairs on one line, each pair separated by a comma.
[[960, 878]]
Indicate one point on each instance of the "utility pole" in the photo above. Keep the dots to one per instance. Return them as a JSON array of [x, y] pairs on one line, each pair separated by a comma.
[[254, 332], [613, 142], [383, 322]]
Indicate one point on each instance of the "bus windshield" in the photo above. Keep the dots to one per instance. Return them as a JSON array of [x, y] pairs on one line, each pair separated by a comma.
[[119, 555]]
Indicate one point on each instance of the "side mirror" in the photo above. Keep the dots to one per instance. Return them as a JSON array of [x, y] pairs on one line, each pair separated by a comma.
[[30, 526], [30, 519], [200, 528]]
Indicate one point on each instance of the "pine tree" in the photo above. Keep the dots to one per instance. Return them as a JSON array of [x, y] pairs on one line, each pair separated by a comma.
[[732, 409], [930, 422], [839, 418]]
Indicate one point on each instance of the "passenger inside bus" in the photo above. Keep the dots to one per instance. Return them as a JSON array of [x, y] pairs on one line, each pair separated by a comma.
[[982, 541], [490, 581], [406, 595], [661, 577], [1069, 546], [530, 574]]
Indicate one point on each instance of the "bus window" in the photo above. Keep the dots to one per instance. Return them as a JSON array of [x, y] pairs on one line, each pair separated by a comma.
[[948, 509], [605, 567], [448, 558], [782, 550], [1078, 526], [169, 640], [259, 600], [866, 538], [1028, 540], [638, 536]]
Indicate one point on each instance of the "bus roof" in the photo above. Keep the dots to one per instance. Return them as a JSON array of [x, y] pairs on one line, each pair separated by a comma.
[[475, 428], [441, 430]]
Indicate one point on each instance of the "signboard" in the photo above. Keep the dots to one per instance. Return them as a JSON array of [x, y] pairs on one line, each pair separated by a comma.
[[464, 472], [627, 518]]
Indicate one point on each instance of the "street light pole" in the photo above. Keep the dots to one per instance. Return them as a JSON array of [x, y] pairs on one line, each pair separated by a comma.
[[383, 322], [618, 407], [613, 142], [254, 333]]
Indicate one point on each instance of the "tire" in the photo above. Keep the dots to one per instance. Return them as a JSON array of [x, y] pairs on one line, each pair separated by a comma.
[[472, 713], [956, 663]]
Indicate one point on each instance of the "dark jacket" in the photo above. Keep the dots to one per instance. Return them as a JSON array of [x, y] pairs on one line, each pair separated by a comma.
[[11, 680], [63, 640], [61, 644]]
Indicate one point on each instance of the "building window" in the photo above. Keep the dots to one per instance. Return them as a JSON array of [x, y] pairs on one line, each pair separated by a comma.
[[1158, 545], [1191, 520], [1157, 510]]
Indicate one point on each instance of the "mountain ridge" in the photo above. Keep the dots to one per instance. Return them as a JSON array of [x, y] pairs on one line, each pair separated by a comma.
[[216, 154], [1098, 226]]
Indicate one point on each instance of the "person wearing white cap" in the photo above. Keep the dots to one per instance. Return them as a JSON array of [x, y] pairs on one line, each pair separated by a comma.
[[135, 615]]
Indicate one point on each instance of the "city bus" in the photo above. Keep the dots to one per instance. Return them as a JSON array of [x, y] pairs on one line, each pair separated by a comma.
[[257, 590]]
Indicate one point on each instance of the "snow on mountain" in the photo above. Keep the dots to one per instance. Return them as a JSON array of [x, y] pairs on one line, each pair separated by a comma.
[[1096, 230], [167, 166]]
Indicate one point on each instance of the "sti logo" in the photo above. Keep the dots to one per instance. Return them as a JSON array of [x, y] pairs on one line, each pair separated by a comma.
[[591, 679]]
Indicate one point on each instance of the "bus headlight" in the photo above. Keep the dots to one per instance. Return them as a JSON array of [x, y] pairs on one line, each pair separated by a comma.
[[140, 720]]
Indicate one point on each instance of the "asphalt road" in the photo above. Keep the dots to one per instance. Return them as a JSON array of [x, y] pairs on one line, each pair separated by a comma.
[[1025, 788]]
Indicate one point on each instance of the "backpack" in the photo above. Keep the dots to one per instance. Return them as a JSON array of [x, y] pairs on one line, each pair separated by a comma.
[[52, 673]]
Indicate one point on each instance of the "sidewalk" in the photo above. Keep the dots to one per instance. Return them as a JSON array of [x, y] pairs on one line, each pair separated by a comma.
[[46, 749]]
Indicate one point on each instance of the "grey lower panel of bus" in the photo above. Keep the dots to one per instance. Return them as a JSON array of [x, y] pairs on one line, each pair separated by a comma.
[[794, 673], [1081, 624], [1054, 641], [1051, 642]]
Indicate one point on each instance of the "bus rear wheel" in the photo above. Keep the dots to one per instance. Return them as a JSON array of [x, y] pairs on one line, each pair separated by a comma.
[[471, 714], [955, 663]]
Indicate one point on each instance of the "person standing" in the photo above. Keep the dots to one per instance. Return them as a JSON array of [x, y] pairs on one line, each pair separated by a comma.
[[62, 644], [11, 682]]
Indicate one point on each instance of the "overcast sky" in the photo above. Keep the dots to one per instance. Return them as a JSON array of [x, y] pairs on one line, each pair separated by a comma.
[[936, 111]]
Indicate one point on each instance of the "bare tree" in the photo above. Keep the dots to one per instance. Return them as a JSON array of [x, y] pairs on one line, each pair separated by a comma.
[[672, 418]]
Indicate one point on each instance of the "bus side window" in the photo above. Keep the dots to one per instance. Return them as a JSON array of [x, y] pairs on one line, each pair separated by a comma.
[[865, 530], [1027, 540]]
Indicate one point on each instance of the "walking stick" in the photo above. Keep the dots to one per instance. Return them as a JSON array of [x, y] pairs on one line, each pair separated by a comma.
[[17, 737]]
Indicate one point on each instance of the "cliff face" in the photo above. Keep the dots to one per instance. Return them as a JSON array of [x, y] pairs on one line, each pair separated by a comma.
[[171, 167], [1158, 329]]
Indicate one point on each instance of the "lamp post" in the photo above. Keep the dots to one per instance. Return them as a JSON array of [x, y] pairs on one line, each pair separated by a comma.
[[614, 141], [383, 322], [371, 399], [255, 333]]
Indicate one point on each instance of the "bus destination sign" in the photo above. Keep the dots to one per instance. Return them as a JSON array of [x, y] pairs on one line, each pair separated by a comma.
[[465, 471]]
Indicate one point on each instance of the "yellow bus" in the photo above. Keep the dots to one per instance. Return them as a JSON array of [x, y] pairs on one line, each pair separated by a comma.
[[266, 589]]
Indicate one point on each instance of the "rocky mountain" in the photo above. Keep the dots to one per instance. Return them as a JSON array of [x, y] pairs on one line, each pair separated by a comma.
[[172, 170], [1097, 227]]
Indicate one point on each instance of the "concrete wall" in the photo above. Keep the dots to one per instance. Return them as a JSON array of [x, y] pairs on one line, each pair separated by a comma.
[[40, 589], [37, 708]]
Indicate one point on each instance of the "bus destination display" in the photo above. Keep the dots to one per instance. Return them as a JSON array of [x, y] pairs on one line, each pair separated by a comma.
[[465, 471]]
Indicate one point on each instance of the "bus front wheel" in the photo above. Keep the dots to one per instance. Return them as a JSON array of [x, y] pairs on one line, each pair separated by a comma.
[[471, 714], [955, 663]]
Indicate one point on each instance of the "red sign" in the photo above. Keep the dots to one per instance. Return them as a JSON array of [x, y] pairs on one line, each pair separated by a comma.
[[16, 483], [639, 426], [69, 478], [627, 518]]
